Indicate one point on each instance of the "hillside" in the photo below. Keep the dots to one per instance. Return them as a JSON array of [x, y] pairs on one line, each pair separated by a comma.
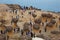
[[14, 18]]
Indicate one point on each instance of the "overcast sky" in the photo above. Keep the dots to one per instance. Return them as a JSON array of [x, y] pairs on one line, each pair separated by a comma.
[[52, 5]]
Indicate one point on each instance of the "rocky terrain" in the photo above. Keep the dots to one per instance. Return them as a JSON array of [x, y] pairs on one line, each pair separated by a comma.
[[14, 20]]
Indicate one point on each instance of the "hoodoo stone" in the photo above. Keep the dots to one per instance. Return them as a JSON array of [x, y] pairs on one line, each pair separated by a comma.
[[3, 21], [2, 37], [26, 26], [43, 15], [9, 28], [55, 32], [46, 15], [14, 20], [36, 26], [38, 21], [53, 21], [49, 24], [34, 15], [59, 18]]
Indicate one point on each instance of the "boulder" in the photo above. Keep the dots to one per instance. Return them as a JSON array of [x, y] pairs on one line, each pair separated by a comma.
[[15, 20], [34, 15], [43, 15], [53, 21], [2, 37], [36, 26], [49, 24], [9, 28], [46, 15], [55, 32], [38, 21], [26, 26]]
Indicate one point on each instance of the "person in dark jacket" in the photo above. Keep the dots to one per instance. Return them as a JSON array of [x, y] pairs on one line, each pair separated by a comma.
[[31, 34], [22, 32]]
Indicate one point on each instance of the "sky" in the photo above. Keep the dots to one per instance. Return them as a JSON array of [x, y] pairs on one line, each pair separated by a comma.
[[50, 5]]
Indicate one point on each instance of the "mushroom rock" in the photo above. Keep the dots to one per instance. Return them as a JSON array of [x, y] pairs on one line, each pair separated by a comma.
[[43, 15], [2, 26], [14, 7], [49, 15], [9, 28], [34, 15], [14, 20], [38, 21], [3, 31], [59, 18], [53, 18], [3, 21], [55, 32], [46, 15], [26, 26], [36, 26], [53, 21], [2, 37], [49, 24]]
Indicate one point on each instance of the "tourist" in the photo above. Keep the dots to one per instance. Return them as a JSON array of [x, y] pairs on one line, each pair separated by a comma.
[[22, 32]]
